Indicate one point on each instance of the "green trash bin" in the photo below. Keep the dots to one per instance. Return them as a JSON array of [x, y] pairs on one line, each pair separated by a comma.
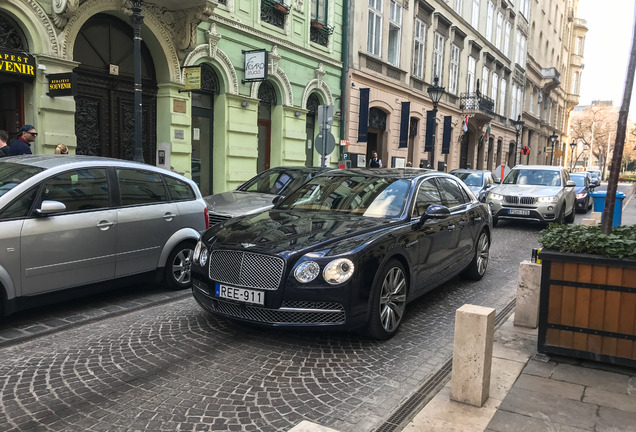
[[599, 205]]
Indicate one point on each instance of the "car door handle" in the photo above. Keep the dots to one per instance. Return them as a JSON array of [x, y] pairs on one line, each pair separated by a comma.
[[477, 219], [103, 225], [169, 216]]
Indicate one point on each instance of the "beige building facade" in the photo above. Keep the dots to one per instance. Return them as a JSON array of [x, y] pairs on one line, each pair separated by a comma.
[[484, 54]]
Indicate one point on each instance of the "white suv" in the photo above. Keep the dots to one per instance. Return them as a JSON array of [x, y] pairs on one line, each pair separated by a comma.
[[537, 193]]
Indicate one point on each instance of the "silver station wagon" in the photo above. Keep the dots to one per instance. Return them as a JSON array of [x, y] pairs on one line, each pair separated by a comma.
[[71, 221]]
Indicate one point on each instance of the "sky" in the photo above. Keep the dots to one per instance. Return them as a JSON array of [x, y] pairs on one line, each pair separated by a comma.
[[607, 50]]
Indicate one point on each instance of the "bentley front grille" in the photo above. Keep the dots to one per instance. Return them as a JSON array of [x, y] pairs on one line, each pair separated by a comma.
[[246, 269]]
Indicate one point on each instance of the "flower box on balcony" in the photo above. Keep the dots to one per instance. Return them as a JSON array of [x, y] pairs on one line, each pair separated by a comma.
[[317, 24], [281, 7]]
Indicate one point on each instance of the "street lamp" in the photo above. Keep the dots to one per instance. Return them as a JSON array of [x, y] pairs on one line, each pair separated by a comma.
[[137, 20], [435, 92], [573, 146], [553, 138], [518, 128]]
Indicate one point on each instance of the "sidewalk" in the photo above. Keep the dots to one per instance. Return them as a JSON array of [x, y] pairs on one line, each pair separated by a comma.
[[530, 391]]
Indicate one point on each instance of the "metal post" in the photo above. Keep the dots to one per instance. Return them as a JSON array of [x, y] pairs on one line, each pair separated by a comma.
[[516, 147], [434, 137], [137, 20], [323, 126]]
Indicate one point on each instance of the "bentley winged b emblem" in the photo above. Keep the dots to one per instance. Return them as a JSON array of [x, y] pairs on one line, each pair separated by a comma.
[[247, 245]]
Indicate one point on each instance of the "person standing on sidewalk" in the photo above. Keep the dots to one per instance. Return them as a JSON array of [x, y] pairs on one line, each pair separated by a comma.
[[375, 161], [22, 144], [5, 150]]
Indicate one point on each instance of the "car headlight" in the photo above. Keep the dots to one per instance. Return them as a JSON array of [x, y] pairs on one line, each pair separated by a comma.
[[581, 195], [197, 251], [551, 199], [495, 196], [338, 271], [307, 271], [203, 258]]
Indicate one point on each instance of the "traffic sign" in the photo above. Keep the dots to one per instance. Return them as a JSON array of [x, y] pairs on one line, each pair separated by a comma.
[[558, 153], [525, 150], [325, 146]]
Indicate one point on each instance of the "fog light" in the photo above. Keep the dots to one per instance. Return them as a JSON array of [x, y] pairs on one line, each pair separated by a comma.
[[550, 208]]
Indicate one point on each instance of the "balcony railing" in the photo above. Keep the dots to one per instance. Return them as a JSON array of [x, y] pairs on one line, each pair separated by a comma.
[[476, 102], [274, 12]]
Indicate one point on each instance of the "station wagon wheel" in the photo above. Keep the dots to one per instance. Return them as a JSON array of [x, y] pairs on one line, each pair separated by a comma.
[[388, 301], [477, 267], [178, 266]]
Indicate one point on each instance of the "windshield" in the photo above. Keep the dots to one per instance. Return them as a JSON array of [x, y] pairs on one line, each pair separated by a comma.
[[274, 181], [533, 177], [471, 179], [579, 180], [12, 174], [368, 196]]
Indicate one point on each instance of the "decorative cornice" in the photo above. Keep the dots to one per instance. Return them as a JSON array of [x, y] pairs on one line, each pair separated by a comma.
[[63, 10], [277, 41], [35, 7]]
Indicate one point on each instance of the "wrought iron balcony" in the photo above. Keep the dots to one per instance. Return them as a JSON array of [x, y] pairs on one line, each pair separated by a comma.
[[319, 32], [476, 102], [274, 12]]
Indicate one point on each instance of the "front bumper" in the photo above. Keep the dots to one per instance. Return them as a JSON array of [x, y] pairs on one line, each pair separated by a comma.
[[290, 313], [536, 213]]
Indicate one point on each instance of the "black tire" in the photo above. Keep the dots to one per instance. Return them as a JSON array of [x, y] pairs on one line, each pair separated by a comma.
[[178, 267], [495, 221], [561, 219], [477, 267], [569, 218], [388, 301]]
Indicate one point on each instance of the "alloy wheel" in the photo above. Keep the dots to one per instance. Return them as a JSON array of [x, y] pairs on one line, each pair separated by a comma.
[[392, 299]]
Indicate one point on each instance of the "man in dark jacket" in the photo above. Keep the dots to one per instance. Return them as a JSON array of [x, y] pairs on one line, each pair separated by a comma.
[[375, 161], [22, 144], [5, 150]]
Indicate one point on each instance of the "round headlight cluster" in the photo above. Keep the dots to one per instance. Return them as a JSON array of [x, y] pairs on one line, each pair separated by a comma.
[[338, 271], [307, 271], [197, 251]]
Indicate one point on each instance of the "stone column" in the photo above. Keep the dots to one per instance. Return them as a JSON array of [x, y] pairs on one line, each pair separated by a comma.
[[472, 354]]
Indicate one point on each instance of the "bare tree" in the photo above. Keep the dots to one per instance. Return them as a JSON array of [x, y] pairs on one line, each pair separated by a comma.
[[595, 128]]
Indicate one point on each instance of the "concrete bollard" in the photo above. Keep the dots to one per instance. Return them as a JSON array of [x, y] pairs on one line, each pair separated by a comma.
[[472, 354], [528, 291], [597, 215], [589, 222]]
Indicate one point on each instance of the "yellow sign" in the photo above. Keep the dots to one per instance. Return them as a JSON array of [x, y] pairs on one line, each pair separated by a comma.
[[558, 153], [192, 78], [16, 63]]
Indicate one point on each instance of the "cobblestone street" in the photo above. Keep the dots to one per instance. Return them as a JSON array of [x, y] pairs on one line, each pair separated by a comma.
[[168, 365]]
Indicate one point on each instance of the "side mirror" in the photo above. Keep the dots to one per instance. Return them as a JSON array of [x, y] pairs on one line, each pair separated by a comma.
[[50, 207], [435, 211], [277, 199], [570, 183]]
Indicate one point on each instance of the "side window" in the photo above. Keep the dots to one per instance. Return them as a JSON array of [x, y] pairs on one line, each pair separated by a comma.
[[84, 189], [21, 206], [140, 187], [179, 190], [427, 194], [452, 195]]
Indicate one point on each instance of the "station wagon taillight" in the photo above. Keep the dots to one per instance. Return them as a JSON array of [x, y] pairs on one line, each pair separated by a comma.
[[205, 215]]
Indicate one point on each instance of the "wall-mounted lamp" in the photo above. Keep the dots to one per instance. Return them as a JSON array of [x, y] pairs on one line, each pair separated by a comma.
[[245, 104], [297, 113]]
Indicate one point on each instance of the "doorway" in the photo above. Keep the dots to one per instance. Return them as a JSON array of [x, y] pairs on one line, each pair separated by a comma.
[[267, 100], [202, 146]]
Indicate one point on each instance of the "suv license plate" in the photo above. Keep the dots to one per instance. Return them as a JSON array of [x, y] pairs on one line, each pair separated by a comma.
[[519, 212], [240, 294]]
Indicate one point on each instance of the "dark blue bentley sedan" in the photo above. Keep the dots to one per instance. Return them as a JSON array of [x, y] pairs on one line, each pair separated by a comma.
[[347, 250]]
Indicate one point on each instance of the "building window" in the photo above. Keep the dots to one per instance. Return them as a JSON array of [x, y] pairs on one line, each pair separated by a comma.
[[499, 33], [438, 57], [575, 83], [395, 33], [531, 103], [454, 69], [506, 45], [524, 8], [485, 74], [514, 102], [521, 50], [519, 100], [319, 31], [475, 14], [374, 31], [578, 46], [419, 43], [472, 65], [274, 12], [502, 97], [489, 20], [494, 89], [459, 6]]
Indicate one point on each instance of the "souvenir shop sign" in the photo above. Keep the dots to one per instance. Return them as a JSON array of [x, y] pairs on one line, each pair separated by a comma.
[[17, 63], [62, 84]]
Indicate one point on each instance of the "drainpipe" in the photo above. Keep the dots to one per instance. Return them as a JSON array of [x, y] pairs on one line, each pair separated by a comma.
[[345, 69]]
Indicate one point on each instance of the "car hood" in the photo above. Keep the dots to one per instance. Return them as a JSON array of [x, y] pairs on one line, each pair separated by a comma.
[[580, 189], [285, 233], [526, 190], [237, 203]]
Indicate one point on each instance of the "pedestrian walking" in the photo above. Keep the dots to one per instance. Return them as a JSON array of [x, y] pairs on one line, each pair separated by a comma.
[[5, 150], [22, 144], [375, 161]]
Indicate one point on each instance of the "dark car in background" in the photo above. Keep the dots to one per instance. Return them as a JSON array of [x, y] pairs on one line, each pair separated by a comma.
[[68, 221], [583, 188], [479, 181], [348, 250], [595, 177], [258, 193]]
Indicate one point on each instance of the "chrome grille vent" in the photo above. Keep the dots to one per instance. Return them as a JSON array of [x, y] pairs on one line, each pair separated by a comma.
[[246, 269], [214, 219], [520, 200]]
